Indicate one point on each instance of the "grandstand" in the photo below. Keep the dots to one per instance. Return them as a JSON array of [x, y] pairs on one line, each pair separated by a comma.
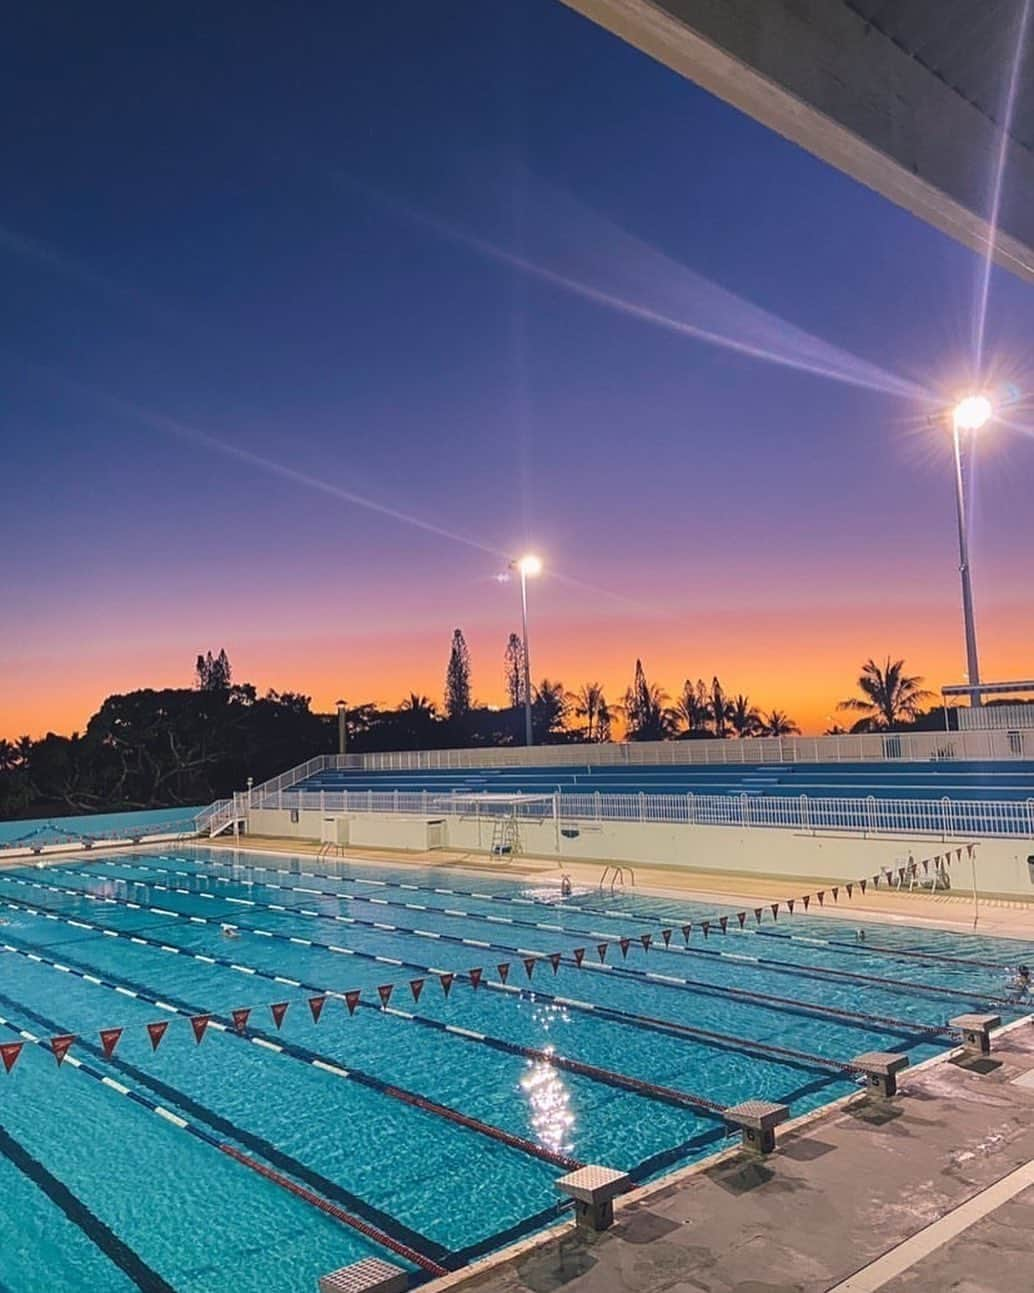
[[905, 780]]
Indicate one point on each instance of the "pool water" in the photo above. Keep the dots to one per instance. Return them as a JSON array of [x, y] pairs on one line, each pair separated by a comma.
[[371, 1112]]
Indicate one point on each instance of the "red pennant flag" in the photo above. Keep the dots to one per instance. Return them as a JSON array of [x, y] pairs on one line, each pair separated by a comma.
[[757, 914], [623, 944], [199, 1023], [554, 960], [352, 1000], [529, 965], [958, 854], [686, 931], [970, 849], [741, 916], [602, 949], [646, 940], [446, 981], [806, 899], [850, 890], [926, 866], [240, 1019], [156, 1032], [61, 1046], [504, 972], [705, 925], [278, 1010], [9, 1053], [579, 956], [109, 1040], [875, 882], [416, 986], [316, 1005], [836, 893], [384, 992], [724, 922], [789, 904], [821, 895], [901, 874], [666, 935], [775, 911], [861, 885], [475, 979]]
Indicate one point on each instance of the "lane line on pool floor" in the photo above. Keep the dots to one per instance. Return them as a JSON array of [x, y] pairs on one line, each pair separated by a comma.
[[783, 966], [695, 986], [596, 1073], [565, 904], [422, 1260], [757, 1049], [328, 1064], [98, 1232], [639, 1086]]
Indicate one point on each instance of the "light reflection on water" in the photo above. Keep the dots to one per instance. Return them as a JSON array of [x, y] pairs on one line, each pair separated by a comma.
[[545, 1090]]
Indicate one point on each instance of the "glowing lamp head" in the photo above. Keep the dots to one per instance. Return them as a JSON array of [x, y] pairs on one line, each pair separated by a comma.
[[972, 413], [529, 566]]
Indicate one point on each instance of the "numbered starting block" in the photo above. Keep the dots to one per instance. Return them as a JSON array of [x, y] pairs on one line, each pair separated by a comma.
[[594, 1190]]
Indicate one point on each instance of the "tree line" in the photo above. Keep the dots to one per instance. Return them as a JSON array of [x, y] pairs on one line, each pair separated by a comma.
[[176, 746]]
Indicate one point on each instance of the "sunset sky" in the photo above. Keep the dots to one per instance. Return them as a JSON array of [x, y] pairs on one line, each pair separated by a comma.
[[310, 323]]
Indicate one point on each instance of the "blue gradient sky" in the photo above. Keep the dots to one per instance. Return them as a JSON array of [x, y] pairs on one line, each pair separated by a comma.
[[273, 229]]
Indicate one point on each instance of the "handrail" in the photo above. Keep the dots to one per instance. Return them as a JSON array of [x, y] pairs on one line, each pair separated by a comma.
[[942, 818]]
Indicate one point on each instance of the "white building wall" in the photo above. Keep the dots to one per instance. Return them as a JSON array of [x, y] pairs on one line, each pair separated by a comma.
[[1003, 866]]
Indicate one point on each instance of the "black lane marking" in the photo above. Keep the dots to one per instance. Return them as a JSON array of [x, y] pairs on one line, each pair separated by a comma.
[[257, 1144], [97, 1231]]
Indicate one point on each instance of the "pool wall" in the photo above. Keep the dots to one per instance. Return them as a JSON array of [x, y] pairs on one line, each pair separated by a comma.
[[1004, 867]]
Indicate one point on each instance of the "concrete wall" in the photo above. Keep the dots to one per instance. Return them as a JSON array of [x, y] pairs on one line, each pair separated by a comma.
[[1001, 865]]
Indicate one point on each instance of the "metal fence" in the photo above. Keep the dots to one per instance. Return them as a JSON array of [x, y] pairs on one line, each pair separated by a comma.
[[866, 816], [864, 747]]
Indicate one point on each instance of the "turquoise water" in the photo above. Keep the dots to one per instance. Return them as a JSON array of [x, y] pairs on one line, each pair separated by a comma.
[[52, 829], [188, 1215]]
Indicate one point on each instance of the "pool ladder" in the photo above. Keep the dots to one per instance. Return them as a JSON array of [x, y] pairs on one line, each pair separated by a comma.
[[617, 877]]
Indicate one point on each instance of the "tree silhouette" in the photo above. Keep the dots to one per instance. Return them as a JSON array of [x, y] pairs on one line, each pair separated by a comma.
[[213, 672], [778, 723], [692, 707], [457, 678], [514, 670], [549, 707], [744, 718], [647, 716], [721, 709], [889, 696], [590, 703]]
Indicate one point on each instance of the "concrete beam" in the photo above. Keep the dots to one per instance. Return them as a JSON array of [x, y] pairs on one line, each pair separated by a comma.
[[817, 73]]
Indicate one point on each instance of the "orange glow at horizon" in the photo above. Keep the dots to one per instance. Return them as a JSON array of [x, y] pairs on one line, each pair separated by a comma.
[[802, 661]]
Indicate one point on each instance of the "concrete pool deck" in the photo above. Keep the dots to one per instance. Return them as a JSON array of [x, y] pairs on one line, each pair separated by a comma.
[[934, 1191]]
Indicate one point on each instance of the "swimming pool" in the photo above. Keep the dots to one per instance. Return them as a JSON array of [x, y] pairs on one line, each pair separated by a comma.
[[439, 1124]]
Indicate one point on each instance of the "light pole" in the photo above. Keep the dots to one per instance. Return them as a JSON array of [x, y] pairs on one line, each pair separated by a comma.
[[970, 415], [342, 728], [527, 567]]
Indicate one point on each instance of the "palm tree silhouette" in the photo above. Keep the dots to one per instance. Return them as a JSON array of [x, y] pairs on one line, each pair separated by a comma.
[[778, 723], [889, 696], [744, 718], [590, 703], [418, 706]]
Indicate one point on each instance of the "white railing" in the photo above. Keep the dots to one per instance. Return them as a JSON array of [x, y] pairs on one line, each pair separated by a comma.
[[866, 816], [873, 747], [1018, 718]]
